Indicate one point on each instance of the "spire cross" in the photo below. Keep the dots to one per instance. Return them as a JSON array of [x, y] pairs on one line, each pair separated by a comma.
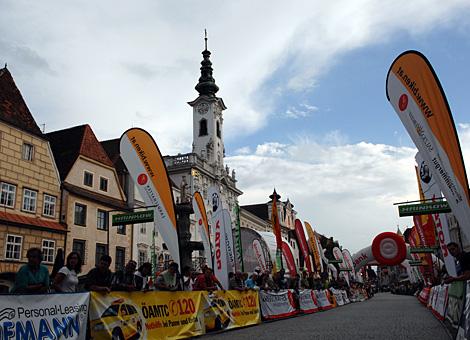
[[205, 38]]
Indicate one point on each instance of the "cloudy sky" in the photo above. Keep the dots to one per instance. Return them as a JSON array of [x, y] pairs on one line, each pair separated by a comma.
[[304, 83]]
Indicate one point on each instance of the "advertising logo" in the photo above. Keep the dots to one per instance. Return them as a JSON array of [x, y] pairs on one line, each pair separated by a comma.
[[215, 202], [424, 173], [142, 179], [403, 102]]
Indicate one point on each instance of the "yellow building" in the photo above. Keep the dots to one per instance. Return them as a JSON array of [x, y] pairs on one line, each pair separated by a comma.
[[91, 193], [29, 186]]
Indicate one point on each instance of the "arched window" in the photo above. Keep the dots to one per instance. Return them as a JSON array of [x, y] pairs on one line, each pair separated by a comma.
[[203, 127], [218, 130]]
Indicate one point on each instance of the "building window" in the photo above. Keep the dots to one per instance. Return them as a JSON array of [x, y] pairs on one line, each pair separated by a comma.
[[102, 219], [80, 214], [203, 127], [49, 205], [120, 258], [142, 257], [88, 179], [219, 134], [28, 151], [121, 229], [7, 194], [48, 251], [103, 184], [101, 249], [29, 200], [143, 229], [13, 247], [79, 247]]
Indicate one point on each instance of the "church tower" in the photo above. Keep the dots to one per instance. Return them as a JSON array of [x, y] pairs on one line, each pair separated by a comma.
[[208, 141]]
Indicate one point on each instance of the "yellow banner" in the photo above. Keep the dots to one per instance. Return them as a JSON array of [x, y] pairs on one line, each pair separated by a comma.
[[313, 246], [150, 315], [231, 309]]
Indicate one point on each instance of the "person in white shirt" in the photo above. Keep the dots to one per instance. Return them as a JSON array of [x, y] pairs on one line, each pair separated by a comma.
[[66, 279], [187, 279]]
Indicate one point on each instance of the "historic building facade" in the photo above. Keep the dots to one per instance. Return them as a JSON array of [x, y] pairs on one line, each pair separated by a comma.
[[30, 198], [91, 194]]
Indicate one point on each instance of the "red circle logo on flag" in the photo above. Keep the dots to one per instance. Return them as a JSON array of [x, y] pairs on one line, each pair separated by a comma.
[[200, 221], [142, 179], [403, 102]]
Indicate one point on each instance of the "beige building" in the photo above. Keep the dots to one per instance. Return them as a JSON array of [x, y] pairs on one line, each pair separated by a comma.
[[29, 185], [91, 194]]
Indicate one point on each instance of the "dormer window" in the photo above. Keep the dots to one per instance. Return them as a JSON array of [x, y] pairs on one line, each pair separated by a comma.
[[203, 127]]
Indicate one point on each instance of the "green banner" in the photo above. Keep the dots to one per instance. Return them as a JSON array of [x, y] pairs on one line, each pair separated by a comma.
[[422, 250], [423, 208], [335, 261], [132, 218], [416, 263]]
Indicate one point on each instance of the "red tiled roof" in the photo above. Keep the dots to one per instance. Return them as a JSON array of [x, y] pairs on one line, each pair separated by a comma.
[[13, 109], [26, 221], [69, 143]]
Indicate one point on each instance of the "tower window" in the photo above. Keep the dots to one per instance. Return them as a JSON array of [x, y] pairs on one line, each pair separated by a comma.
[[218, 130], [203, 127]]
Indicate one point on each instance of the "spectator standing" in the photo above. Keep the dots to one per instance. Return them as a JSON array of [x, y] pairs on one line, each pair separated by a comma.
[[33, 277], [462, 263], [250, 283], [126, 280], [187, 279], [168, 280], [206, 281], [99, 278], [236, 282], [66, 279], [144, 271]]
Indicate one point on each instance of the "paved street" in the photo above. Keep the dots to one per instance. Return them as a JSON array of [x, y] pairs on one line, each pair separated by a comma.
[[385, 316]]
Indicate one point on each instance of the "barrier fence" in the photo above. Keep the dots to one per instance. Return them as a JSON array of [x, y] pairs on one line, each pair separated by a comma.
[[153, 315], [450, 303]]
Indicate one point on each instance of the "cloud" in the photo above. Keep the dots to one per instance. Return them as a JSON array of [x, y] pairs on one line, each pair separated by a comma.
[[100, 53], [301, 111], [346, 191]]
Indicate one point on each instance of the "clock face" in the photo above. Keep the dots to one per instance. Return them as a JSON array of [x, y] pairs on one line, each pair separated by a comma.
[[202, 108]]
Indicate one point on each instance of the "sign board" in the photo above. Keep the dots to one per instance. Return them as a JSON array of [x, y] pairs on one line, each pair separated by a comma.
[[416, 263], [422, 250], [132, 218], [335, 261], [423, 208]]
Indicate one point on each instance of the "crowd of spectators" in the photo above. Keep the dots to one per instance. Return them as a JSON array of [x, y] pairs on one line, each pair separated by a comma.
[[34, 278]]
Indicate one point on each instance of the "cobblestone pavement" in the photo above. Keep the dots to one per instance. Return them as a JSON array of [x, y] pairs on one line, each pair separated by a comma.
[[383, 317]]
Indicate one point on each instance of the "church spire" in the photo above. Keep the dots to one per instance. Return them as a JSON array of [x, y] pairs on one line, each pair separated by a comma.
[[206, 84]]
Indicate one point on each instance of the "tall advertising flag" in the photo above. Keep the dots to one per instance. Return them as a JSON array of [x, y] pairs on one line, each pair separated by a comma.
[[431, 191], [144, 161], [202, 226], [276, 228], [313, 244], [238, 238], [416, 94], [221, 223], [299, 232]]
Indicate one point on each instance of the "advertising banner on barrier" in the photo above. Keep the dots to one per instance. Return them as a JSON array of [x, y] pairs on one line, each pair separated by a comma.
[[308, 301], [338, 296], [46, 316], [150, 315], [276, 305], [455, 302], [322, 300], [440, 302], [231, 309]]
